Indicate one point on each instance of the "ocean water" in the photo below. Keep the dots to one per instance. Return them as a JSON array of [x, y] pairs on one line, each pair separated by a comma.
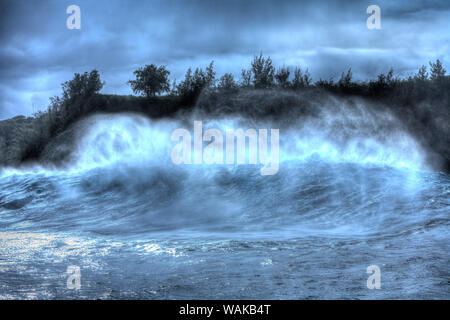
[[140, 227]]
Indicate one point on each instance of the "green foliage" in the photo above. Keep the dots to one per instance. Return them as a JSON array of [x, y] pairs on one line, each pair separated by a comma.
[[151, 80]]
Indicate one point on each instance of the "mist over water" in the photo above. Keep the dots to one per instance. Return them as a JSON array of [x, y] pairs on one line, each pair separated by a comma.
[[340, 136], [353, 189]]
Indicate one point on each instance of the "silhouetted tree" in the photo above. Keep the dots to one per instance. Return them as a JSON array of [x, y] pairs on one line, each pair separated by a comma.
[[194, 83], [307, 78], [300, 80], [386, 79], [346, 79], [422, 74], [325, 84], [227, 82], [297, 81], [437, 70], [246, 78], [210, 80], [82, 85], [263, 72], [151, 80], [74, 101], [282, 77]]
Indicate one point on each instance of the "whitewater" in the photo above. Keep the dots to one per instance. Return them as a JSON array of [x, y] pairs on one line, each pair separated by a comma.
[[352, 190]]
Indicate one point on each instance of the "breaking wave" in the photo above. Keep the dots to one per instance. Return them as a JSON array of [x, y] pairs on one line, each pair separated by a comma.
[[348, 180]]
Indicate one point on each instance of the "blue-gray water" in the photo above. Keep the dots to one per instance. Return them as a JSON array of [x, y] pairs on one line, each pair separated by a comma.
[[148, 229]]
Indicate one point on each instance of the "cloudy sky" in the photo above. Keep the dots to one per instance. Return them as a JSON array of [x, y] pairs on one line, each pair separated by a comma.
[[38, 52]]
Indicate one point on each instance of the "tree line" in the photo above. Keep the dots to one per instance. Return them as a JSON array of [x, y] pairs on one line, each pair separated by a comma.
[[151, 81]]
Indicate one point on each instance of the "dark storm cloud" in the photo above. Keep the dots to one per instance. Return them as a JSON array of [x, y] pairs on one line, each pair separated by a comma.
[[38, 52]]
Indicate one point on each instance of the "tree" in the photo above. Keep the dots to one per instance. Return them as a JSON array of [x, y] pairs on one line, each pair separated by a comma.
[[307, 78], [300, 80], [246, 78], [74, 101], [227, 82], [82, 85], [151, 80], [210, 80], [297, 81], [326, 84], [282, 77], [263, 72], [186, 85], [390, 77], [194, 83], [385, 81], [422, 74], [346, 79], [437, 70]]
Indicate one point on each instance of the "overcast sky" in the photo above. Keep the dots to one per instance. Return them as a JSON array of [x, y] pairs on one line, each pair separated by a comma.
[[38, 52]]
